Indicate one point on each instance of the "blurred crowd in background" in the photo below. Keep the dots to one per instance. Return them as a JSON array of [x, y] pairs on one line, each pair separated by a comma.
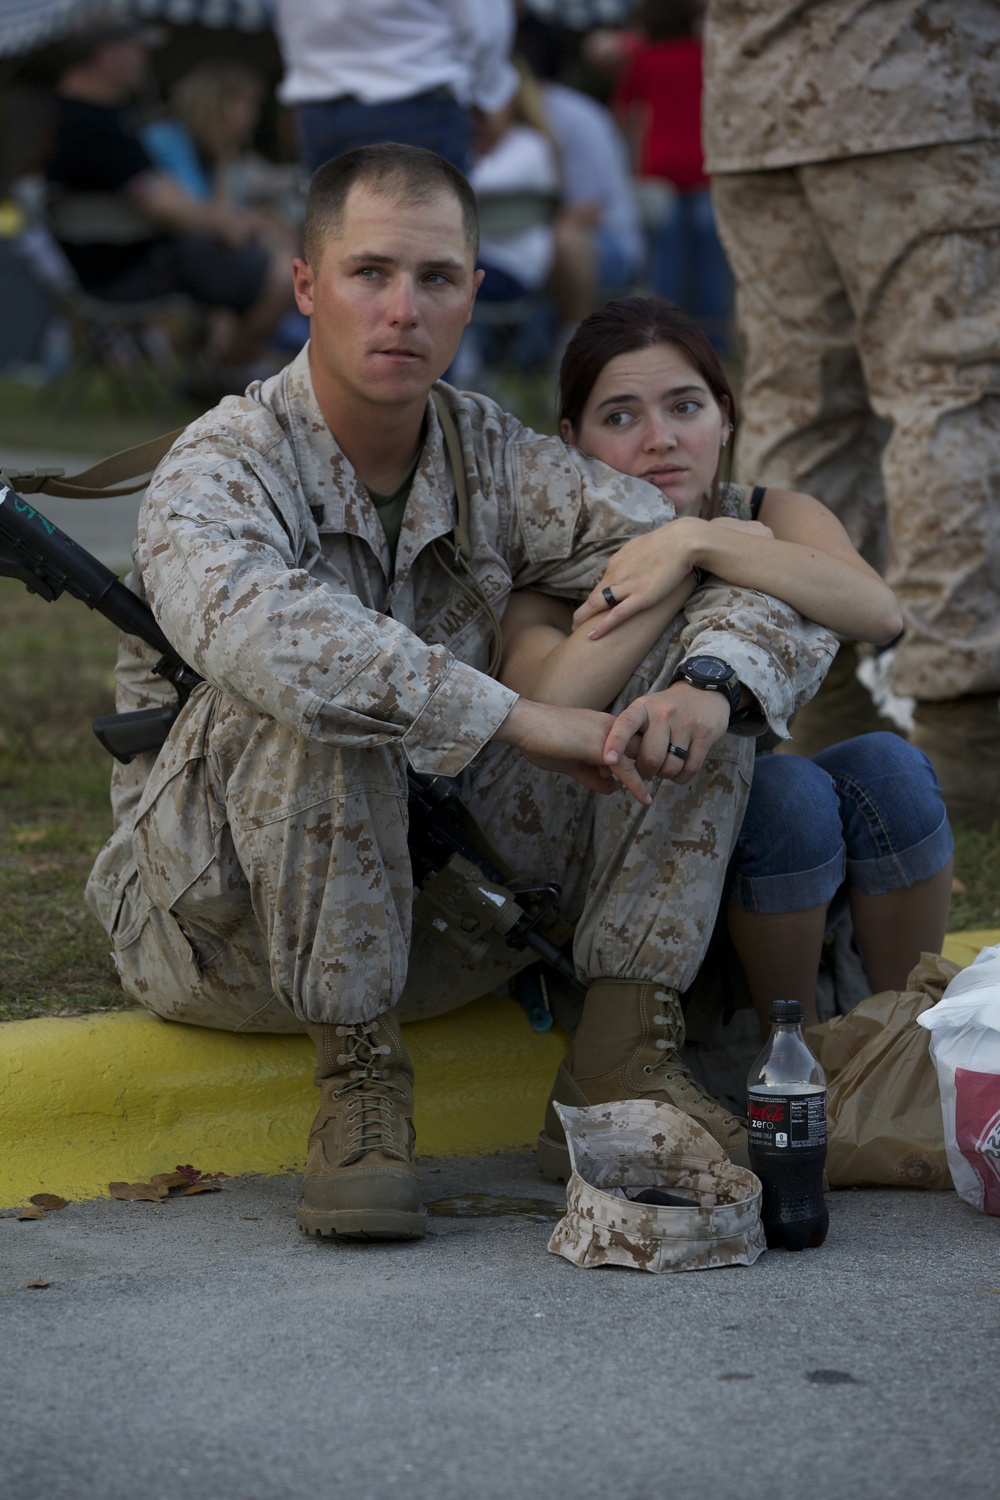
[[153, 171]]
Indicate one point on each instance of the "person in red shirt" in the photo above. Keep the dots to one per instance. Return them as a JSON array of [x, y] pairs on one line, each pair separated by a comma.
[[658, 101]]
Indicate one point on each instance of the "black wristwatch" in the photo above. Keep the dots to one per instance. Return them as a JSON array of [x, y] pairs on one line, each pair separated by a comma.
[[715, 676]]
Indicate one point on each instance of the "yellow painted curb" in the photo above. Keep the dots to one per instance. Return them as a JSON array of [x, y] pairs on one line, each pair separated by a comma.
[[99, 1099], [118, 1097], [962, 947]]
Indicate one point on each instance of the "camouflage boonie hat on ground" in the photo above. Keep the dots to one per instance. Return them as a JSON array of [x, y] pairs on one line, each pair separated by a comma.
[[699, 1210]]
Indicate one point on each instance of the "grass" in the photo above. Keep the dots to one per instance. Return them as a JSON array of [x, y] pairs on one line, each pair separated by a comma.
[[97, 419], [55, 676]]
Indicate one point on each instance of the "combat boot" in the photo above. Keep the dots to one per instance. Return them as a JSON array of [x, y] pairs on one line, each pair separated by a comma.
[[962, 738], [360, 1180], [628, 1047]]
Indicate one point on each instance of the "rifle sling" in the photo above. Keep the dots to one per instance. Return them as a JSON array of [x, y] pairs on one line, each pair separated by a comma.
[[104, 480]]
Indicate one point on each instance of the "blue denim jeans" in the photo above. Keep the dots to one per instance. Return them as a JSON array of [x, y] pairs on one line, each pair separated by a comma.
[[867, 812], [435, 120], [688, 264]]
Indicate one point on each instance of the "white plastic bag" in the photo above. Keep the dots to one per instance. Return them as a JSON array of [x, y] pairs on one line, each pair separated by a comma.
[[965, 1046]]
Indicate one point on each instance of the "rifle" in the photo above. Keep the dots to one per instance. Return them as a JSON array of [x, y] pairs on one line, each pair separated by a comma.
[[463, 894]]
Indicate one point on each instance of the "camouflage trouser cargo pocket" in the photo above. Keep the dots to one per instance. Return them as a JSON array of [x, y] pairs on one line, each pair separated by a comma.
[[282, 864]]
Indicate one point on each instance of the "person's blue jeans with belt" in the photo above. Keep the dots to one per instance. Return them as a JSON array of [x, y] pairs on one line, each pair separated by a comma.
[[435, 119], [865, 814]]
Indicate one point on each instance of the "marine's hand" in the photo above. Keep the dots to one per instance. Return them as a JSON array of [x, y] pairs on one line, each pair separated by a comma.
[[685, 716], [570, 741]]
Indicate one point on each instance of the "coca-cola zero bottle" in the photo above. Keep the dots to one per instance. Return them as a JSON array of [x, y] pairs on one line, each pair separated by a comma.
[[786, 1108]]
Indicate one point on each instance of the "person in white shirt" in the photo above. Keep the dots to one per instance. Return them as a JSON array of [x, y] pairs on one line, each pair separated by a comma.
[[401, 70], [517, 158], [599, 238]]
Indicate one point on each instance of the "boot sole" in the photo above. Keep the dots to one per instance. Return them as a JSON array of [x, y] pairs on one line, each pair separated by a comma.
[[553, 1158], [362, 1223]]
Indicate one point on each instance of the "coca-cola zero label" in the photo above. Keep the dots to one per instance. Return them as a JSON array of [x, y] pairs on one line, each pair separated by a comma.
[[787, 1121]]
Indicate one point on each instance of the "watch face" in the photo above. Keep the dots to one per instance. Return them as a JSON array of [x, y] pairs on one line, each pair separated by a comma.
[[710, 668]]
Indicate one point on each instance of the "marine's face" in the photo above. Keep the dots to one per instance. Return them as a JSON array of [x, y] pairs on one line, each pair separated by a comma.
[[652, 415], [388, 300]]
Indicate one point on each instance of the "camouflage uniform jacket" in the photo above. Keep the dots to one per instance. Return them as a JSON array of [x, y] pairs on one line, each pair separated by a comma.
[[266, 565], [794, 81]]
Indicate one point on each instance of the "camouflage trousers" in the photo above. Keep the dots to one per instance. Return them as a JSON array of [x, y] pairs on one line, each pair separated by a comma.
[[867, 300], [272, 881]]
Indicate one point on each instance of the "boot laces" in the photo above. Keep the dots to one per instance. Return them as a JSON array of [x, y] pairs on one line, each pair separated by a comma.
[[371, 1109], [672, 1066]]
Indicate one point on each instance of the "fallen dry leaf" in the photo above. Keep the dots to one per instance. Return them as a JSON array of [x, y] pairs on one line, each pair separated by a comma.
[[49, 1200], [192, 1174], [31, 1212], [29, 1285], [168, 1180], [30, 835], [958, 887], [162, 1184], [135, 1192]]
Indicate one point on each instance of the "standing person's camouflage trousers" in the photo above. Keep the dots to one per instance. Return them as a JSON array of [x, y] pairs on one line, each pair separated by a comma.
[[856, 182], [872, 377]]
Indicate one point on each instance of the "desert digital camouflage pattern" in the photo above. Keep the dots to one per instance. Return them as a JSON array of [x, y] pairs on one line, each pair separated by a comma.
[[867, 301], [857, 190], [793, 81], [258, 875], [643, 1143]]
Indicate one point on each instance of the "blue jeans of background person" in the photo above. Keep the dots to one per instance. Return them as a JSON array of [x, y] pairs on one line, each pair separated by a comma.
[[436, 120], [867, 811], [688, 264]]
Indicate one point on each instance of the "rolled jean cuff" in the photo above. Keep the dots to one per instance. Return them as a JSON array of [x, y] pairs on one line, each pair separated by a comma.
[[897, 871], [796, 890]]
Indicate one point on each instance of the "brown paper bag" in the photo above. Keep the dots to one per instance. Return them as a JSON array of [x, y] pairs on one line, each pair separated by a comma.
[[883, 1104]]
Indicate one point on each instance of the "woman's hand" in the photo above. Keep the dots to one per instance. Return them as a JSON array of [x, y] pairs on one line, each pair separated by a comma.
[[642, 574]]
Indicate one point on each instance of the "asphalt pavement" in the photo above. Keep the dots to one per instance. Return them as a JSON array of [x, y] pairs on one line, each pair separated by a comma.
[[203, 1348]]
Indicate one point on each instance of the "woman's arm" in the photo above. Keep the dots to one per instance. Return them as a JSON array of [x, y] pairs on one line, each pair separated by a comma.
[[546, 660], [812, 565], [799, 552]]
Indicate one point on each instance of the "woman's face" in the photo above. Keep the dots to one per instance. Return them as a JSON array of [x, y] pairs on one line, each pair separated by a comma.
[[240, 114], [651, 414]]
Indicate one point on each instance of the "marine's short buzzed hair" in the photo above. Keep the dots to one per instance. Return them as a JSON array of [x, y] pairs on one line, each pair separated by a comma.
[[403, 174]]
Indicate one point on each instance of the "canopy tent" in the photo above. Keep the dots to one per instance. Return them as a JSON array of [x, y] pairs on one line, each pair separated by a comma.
[[581, 15], [26, 25]]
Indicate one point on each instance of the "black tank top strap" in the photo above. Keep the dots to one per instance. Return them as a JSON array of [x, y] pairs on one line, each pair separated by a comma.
[[756, 501]]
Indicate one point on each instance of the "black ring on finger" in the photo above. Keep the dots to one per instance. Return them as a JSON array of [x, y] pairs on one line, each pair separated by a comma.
[[609, 598], [680, 753]]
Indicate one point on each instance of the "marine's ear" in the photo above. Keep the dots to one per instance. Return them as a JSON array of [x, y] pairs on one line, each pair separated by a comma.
[[302, 281]]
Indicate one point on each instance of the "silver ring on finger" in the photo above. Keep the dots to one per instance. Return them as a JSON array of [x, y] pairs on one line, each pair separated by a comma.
[[609, 598], [678, 750]]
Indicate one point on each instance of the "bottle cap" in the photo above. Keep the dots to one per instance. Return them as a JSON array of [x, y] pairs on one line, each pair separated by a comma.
[[786, 1011]]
